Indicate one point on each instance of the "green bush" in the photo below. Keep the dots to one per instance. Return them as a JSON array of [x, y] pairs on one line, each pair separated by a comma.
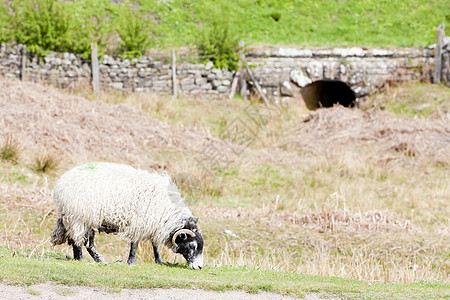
[[5, 22], [93, 22], [134, 30], [41, 25], [219, 45]]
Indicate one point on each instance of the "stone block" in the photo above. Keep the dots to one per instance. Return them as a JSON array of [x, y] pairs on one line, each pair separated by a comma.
[[209, 65], [216, 83], [222, 89], [117, 85], [187, 81], [217, 72], [299, 78], [200, 81], [286, 89], [206, 87]]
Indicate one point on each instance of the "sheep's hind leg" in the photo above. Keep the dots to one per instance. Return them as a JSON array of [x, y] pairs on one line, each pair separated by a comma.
[[133, 250], [158, 259], [77, 250], [90, 247]]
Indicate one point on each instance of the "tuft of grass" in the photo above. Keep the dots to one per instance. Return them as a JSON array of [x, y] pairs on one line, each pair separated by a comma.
[[113, 290], [33, 292], [64, 291], [46, 162], [10, 149]]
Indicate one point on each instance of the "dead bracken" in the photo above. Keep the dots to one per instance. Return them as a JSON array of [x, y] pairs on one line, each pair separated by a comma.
[[44, 118], [334, 130]]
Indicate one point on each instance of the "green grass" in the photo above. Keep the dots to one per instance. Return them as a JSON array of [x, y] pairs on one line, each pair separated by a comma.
[[178, 23], [414, 100], [63, 291], [306, 23], [29, 271], [33, 292]]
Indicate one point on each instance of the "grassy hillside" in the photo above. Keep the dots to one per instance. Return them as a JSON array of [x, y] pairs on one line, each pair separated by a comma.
[[131, 26], [338, 192], [305, 22]]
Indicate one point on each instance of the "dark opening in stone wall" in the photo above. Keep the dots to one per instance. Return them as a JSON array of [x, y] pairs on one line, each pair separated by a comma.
[[326, 93]]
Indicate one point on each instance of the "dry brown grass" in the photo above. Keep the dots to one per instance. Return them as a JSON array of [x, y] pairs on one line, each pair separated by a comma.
[[336, 130], [337, 192], [82, 129], [46, 162], [416, 100]]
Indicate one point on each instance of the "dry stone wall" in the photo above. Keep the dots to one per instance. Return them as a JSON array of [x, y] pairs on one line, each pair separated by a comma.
[[281, 72]]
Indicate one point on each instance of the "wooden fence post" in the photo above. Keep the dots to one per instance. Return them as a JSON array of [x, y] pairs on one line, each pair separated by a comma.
[[174, 74], [237, 73], [234, 85], [24, 63], [440, 34], [243, 81], [95, 70], [258, 87]]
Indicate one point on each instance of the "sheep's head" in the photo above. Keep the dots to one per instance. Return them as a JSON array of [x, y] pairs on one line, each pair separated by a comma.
[[188, 241]]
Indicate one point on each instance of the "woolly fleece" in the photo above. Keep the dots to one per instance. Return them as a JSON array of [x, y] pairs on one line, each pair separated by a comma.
[[139, 204]]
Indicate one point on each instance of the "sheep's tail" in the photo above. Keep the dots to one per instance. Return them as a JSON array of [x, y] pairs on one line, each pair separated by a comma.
[[59, 234]]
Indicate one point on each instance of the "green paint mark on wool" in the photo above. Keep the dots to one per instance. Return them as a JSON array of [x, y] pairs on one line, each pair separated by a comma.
[[91, 166]]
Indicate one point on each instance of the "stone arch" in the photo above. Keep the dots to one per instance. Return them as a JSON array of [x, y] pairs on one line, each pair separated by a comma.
[[326, 93]]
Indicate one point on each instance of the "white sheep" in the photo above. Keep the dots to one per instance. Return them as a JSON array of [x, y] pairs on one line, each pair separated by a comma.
[[135, 204]]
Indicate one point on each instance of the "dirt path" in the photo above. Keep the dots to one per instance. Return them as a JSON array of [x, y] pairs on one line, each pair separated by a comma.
[[53, 291]]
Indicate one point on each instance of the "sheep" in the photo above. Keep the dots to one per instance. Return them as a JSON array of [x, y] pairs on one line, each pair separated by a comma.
[[135, 204]]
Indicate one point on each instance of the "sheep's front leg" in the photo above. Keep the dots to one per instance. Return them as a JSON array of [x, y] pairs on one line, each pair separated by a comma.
[[158, 259], [133, 250], [77, 250], [90, 247]]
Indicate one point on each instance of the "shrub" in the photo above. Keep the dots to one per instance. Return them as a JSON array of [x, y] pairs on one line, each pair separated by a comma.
[[41, 25], [134, 30], [93, 22], [5, 23], [10, 149], [219, 45]]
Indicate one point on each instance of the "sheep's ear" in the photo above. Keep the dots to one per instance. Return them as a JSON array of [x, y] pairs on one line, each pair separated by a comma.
[[195, 220]]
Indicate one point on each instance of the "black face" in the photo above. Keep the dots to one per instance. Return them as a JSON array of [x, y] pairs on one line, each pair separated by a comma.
[[191, 247]]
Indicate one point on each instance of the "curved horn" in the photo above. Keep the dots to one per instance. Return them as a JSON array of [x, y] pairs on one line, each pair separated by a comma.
[[187, 231]]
